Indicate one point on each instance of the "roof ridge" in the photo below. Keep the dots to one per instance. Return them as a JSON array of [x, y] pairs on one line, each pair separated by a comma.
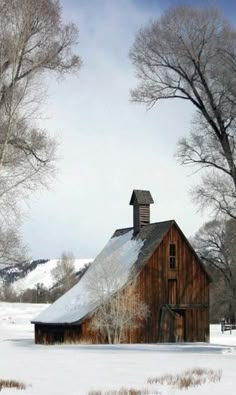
[[152, 223]]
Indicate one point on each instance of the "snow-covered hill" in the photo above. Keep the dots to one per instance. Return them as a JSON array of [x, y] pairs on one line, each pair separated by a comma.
[[24, 277]]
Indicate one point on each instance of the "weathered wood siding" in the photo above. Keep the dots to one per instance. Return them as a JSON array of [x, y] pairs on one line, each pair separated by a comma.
[[192, 292], [68, 333]]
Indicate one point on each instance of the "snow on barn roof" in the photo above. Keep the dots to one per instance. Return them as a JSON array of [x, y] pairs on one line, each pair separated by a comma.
[[108, 273]]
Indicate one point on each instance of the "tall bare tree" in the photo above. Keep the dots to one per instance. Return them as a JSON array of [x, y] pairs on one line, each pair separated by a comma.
[[64, 274], [12, 249], [190, 54], [34, 41], [215, 243]]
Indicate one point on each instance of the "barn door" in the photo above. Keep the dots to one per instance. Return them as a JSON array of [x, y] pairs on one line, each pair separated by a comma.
[[179, 327], [172, 291]]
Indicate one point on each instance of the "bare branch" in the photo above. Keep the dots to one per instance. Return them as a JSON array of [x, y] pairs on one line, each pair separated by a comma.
[[34, 41], [190, 54]]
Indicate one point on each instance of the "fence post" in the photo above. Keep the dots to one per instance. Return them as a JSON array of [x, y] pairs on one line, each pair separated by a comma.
[[222, 325]]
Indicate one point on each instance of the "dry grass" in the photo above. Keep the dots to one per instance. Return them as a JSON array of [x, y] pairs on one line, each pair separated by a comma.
[[125, 391], [76, 342], [12, 384], [190, 378]]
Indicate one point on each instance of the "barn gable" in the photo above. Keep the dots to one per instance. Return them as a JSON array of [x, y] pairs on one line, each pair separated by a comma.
[[178, 294]]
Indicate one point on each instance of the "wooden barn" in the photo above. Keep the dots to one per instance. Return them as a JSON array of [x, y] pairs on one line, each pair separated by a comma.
[[170, 280]]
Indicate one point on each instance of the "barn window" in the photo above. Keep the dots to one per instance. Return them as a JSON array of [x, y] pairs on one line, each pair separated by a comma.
[[172, 256]]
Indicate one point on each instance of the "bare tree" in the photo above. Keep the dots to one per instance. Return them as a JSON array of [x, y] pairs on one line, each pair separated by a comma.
[[7, 293], [119, 313], [64, 274], [118, 307], [12, 249], [190, 54], [215, 243], [34, 41]]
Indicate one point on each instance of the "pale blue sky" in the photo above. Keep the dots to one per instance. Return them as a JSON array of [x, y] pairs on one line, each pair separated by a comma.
[[109, 146]]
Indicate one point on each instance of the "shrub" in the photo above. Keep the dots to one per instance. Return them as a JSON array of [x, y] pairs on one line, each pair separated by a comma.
[[12, 384], [189, 378], [125, 391]]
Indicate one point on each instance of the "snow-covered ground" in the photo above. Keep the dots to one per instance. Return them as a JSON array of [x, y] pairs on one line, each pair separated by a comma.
[[77, 369], [43, 274]]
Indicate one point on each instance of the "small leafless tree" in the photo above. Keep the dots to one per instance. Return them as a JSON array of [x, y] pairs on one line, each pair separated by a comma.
[[34, 41], [64, 274], [119, 313], [215, 243], [190, 54], [118, 306], [12, 249], [7, 293]]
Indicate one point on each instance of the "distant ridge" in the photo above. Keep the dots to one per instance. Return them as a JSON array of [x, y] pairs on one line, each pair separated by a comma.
[[27, 276]]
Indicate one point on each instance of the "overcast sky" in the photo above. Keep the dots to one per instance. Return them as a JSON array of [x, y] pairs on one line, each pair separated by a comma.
[[109, 146]]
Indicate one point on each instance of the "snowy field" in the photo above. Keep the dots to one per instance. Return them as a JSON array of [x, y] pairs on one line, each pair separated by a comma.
[[78, 369]]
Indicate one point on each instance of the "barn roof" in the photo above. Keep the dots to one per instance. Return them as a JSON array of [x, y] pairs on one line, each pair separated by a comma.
[[112, 268], [124, 255], [151, 235]]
